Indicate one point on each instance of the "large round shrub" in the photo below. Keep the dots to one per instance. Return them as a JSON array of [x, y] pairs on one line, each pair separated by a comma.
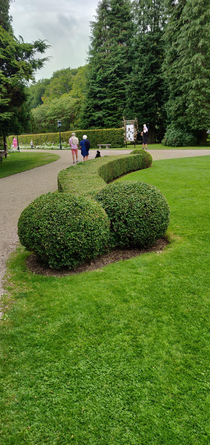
[[177, 137], [64, 230], [138, 212]]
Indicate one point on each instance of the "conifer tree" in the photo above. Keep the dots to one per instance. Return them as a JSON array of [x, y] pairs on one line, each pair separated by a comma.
[[147, 92], [109, 64], [5, 20], [187, 65]]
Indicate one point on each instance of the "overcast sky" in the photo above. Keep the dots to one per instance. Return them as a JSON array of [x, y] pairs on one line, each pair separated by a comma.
[[63, 23]]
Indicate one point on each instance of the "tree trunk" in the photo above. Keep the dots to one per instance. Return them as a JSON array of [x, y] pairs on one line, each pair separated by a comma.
[[5, 144], [151, 135]]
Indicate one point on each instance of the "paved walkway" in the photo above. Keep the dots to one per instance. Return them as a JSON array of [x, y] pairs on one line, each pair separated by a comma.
[[19, 190]]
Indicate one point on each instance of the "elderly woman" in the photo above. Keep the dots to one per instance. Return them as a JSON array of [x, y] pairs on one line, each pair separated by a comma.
[[73, 142], [84, 145]]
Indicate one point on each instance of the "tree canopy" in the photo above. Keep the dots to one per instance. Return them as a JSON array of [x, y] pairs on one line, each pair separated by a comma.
[[18, 62], [109, 63], [147, 92], [148, 59], [5, 19], [187, 65], [56, 106]]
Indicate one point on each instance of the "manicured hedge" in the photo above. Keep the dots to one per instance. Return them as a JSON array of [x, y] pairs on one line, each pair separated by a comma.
[[119, 167], [113, 136], [138, 212], [89, 177], [68, 228], [64, 230]]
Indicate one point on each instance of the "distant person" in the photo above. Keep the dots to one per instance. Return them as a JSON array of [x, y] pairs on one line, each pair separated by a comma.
[[14, 142], [73, 142], [85, 146], [32, 144], [144, 134]]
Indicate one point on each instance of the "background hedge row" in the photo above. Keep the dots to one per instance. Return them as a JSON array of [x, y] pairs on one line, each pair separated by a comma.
[[113, 136]]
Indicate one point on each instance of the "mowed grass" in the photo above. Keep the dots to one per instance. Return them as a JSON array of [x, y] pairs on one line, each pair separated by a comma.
[[120, 355], [163, 147], [20, 162]]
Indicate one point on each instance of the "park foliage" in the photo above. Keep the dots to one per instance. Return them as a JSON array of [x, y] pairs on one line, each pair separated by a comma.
[[90, 177], [177, 137], [72, 228], [138, 213], [113, 136], [18, 62], [147, 60]]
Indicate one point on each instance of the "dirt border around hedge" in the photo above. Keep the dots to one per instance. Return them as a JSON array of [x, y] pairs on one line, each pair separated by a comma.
[[37, 267]]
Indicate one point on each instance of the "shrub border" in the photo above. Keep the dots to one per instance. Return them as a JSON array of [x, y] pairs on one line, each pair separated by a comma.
[[87, 178]]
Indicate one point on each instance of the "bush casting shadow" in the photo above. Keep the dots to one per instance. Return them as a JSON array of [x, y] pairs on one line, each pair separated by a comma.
[[69, 229], [37, 267]]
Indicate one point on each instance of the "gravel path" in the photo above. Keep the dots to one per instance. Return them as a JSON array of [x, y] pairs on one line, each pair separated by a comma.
[[17, 191]]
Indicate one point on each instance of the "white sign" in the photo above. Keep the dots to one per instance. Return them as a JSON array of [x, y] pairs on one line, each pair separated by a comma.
[[130, 131]]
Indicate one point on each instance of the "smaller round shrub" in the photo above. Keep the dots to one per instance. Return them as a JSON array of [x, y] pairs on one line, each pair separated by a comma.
[[64, 230], [176, 137], [137, 151], [138, 213]]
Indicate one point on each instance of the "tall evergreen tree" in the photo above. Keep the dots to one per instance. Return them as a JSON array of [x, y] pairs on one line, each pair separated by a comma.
[[5, 20], [109, 64], [147, 92], [187, 65]]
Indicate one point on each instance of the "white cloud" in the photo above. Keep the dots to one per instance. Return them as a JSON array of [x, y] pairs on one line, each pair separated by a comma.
[[63, 24]]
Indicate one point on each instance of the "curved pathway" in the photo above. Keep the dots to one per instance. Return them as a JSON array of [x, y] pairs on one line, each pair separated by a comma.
[[17, 191]]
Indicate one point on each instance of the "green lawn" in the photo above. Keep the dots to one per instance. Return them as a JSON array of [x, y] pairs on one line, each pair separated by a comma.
[[20, 162], [160, 147], [120, 355], [163, 147]]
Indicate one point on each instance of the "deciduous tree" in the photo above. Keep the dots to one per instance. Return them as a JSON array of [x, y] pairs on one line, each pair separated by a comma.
[[18, 62]]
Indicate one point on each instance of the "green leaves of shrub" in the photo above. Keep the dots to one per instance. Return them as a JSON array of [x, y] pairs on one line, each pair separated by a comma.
[[138, 212], [177, 137], [64, 230], [121, 166]]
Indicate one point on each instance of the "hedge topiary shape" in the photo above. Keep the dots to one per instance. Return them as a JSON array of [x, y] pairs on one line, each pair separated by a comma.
[[64, 230], [138, 212]]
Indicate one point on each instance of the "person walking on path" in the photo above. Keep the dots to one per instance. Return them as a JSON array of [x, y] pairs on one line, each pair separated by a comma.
[[73, 142], [144, 134], [85, 145]]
